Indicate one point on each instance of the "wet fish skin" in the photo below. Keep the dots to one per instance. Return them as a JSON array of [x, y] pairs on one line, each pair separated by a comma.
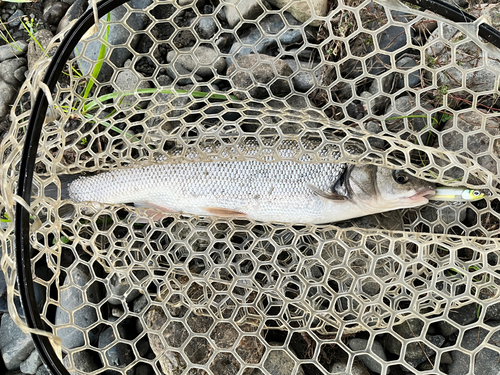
[[284, 191]]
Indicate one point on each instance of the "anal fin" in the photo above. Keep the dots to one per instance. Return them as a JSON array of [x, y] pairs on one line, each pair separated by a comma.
[[224, 212]]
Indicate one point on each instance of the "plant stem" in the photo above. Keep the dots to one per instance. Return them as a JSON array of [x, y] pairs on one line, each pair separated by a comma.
[[100, 61], [196, 94]]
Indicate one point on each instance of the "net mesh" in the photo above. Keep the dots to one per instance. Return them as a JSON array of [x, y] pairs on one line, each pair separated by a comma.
[[203, 295]]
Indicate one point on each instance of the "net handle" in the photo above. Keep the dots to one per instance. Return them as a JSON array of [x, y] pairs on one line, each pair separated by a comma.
[[30, 149]]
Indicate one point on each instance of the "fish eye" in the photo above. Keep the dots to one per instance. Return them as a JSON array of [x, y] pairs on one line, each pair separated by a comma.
[[400, 177], [476, 193]]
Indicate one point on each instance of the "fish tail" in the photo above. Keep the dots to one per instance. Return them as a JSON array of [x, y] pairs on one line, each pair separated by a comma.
[[52, 191], [66, 180]]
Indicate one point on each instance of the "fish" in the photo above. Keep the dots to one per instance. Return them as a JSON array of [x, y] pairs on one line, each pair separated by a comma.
[[283, 191]]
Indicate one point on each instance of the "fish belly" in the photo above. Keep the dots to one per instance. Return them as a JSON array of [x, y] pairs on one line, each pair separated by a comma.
[[260, 191]]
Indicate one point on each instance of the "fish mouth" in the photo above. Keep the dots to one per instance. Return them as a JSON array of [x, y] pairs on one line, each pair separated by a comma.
[[423, 195]]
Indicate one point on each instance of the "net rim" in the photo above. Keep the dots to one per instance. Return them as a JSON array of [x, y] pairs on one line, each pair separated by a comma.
[[22, 246], [22, 220]]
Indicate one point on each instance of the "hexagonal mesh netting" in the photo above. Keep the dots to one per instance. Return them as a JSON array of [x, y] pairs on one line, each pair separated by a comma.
[[413, 291]]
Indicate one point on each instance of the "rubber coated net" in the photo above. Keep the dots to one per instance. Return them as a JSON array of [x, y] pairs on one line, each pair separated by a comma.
[[399, 292]]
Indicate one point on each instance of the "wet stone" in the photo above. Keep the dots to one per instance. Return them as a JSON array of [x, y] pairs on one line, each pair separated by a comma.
[[407, 105], [19, 73], [15, 345], [185, 2], [72, 300], [225, 364], [140, 303], [180, 70], [356, 369], [7, 69], [143, 345], [250, 37], [302, 79], [224, 335], [128, 81], [3, 285], [406, 63], [9, 51], [470, 58], [3, 305], [371, 288], [375, 128], [120, 354], [118, 34], [446, 358], [451, 212], [274, 24], [74, 12], [383, 86], [42, 370], [144, 369], [303, 11], [279, 362], [371, 363], [84, 361], [236, 10], [463, 316], [250, 349], [262, 72], [34, 51], [4, 308], [15, 19], [408, 329], [206, 27], [9, 83], [54, 14], [492, 312], [416, 356], [31, 364], [394, 38], [271, 25], [170, 360], [426, 366], [377, 101], [201, 55], [485, 361]]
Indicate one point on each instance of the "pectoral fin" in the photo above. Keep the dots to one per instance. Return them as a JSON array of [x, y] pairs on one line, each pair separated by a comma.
[[324, 194], [224, 212]]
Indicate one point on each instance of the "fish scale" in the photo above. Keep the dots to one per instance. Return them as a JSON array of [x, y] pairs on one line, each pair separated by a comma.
[[276, 191]]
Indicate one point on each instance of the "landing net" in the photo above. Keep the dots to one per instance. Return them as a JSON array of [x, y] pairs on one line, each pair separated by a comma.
[[203, 295]]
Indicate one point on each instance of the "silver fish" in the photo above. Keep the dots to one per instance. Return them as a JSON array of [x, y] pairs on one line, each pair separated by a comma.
[[284, 191]]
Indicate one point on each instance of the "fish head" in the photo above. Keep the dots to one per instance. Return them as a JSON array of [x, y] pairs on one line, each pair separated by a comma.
[[383, 189]]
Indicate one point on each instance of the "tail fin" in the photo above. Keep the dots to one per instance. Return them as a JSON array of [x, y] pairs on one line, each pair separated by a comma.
[[52, 191]]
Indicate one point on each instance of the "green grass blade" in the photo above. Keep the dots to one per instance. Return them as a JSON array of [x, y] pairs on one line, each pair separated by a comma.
[[100, 61], [197, 94], [114, 128], [28, 30]]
